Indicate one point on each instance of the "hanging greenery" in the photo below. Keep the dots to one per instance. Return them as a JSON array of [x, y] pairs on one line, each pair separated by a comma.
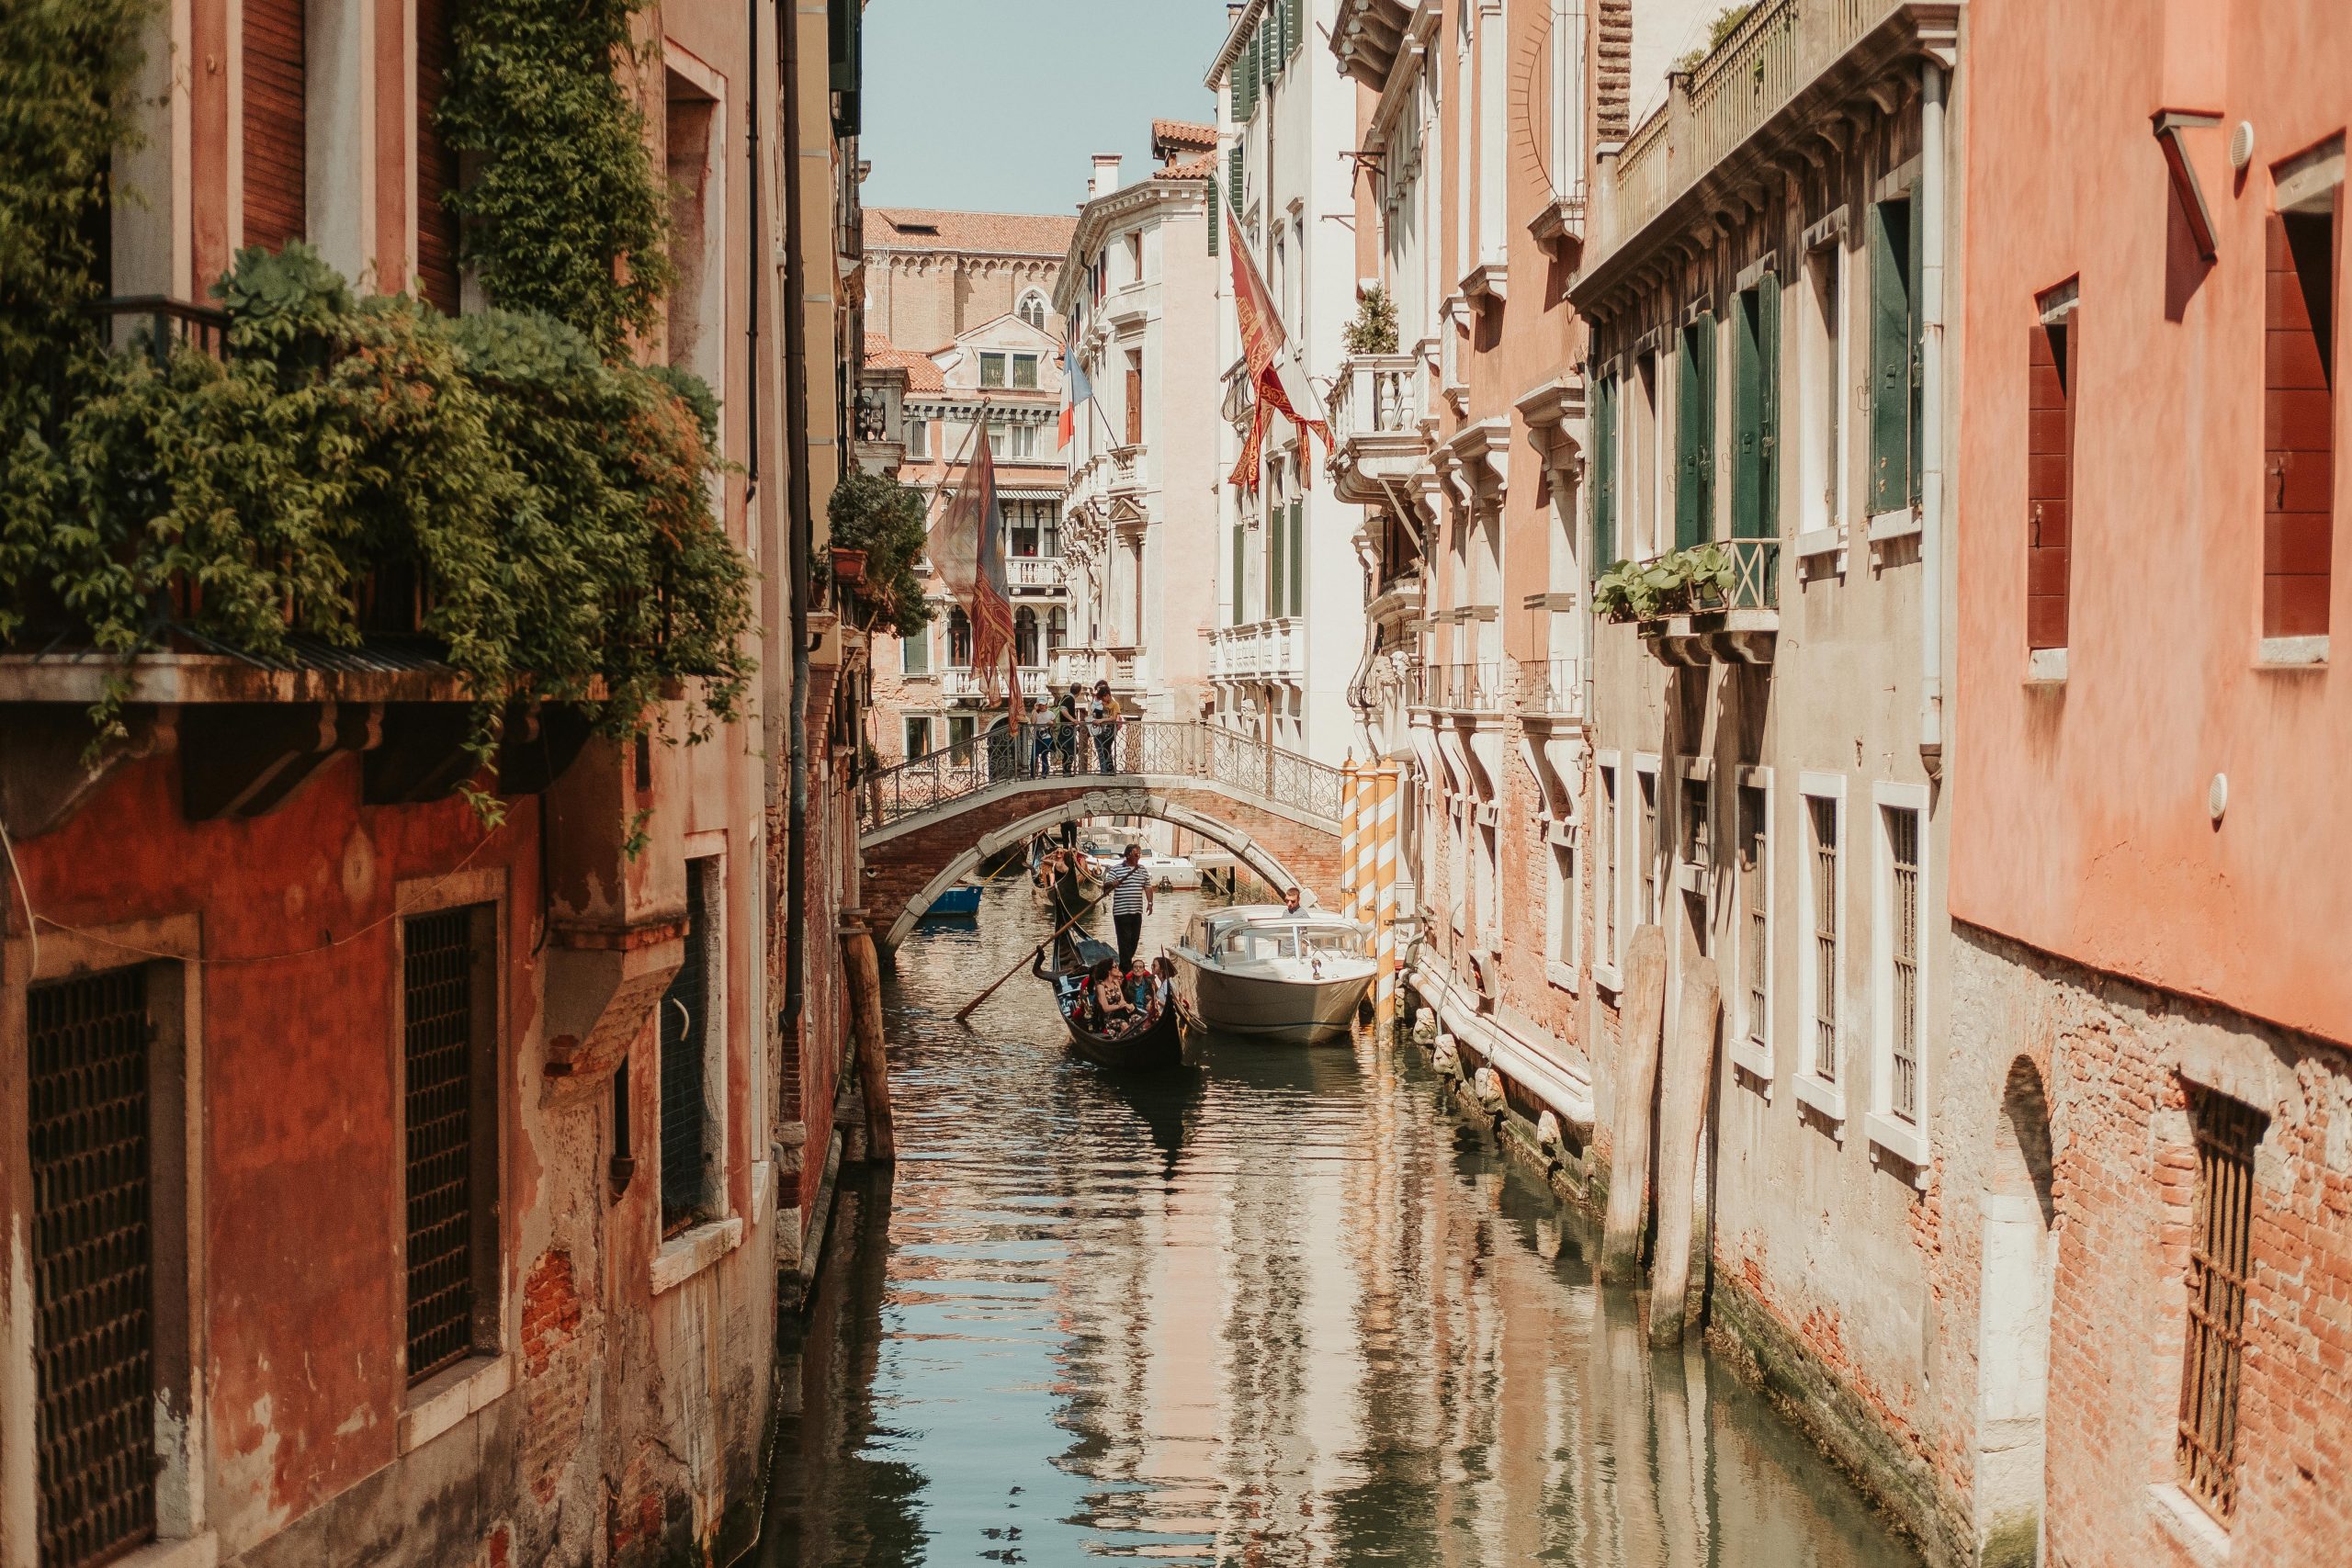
[[888, 521], [563, 212]]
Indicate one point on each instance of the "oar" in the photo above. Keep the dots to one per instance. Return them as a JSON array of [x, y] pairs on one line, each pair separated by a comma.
[[966, 1013]]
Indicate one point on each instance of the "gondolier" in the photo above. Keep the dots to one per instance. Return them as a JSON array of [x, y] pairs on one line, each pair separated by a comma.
[[1129, 886]]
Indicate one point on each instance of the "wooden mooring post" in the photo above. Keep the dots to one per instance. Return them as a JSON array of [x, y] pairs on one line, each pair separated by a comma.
[[1629, 1157], [1685, 1080], [861, 965]]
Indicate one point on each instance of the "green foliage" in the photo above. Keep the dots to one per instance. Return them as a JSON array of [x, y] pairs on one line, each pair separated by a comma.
[[1374, 329], [1726, 22], [553, 508], [65, 70], [564, 214], [1676, 583], [888, 521]]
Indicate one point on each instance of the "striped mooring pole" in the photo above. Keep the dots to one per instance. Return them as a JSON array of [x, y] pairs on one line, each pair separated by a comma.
[[1351, 891], [1383, 941]]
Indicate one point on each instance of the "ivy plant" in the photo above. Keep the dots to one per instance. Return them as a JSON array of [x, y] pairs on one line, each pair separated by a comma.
[[886, 520]]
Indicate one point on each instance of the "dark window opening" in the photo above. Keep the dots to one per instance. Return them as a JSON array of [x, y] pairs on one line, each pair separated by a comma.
[[2220, 1260], [2050, 479], [451, 1136], [685, 1048], [2298, 424]]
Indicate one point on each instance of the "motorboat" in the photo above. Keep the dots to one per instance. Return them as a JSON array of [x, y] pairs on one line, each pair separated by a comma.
[[1261, 970], [1155, 1040], [962, 900]]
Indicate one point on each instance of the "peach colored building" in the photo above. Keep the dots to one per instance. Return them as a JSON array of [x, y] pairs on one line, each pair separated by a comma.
[[408, 1233], [2151, 1230]]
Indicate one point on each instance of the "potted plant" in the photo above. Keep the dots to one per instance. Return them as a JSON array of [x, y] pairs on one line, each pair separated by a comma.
[[879, 533], [1374, 329]]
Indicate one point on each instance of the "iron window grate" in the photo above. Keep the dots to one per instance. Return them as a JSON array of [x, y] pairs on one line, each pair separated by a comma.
[[684, 1038], [1825, 938], [1649, 849], [1902, 852], [2219, 1263], [93, 1259], [1605, 881], [1754, 844], [439, 1048]]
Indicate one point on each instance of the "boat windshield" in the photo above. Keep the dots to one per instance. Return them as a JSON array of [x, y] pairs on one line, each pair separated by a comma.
[[1252, 942], [1332, 939]]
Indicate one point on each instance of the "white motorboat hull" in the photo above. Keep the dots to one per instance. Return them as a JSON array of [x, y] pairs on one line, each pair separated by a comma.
[[1294, 1010]]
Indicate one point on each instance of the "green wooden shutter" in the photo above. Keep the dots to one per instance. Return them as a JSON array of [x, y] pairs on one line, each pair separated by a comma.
[[1216, 224], [1747, 415], [1914, 334], [1768, 359], [1275, 31], [1240, 566], [1273, 560], [1233, 179], [1694, 435], [1298, 555], [1604, 480], [1890, 310], [1297, 24]]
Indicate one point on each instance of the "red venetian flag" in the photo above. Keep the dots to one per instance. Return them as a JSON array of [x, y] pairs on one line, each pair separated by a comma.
[[1279, 384], [968, 546]]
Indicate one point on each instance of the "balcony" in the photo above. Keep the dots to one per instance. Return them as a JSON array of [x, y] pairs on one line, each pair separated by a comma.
[[1129, 471], [1262, 650], [1754, 104], [961, 684], [1378, 405], [1074, 667], [1550, 689], [1718, 601], [1473, 687], [1033, 574]]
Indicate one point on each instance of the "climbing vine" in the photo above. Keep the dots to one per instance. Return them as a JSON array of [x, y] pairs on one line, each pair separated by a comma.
[[563, 213], [887, 520]]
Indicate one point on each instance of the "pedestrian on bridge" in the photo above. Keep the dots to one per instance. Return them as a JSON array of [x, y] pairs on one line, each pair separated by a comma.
[[1073, 704], [1106, 727], [1041, 743], [1129, 886]]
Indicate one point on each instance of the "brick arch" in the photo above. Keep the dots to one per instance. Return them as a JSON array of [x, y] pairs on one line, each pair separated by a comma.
[[905, 870]]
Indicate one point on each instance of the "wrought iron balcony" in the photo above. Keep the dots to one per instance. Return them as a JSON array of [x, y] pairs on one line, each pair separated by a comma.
[[1470, 687], [1551, 687]]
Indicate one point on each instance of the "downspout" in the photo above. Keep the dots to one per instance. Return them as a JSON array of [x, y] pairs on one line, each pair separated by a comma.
[[1931, 417], [800, 528], [752, 268]]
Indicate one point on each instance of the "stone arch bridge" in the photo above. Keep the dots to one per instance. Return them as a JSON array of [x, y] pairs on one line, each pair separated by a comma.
[[927, 822]]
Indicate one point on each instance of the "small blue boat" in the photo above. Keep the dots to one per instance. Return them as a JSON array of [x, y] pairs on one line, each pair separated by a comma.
[[964, 898]]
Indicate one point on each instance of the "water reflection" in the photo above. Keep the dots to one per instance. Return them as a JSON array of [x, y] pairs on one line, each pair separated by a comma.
[[1276, 1308]]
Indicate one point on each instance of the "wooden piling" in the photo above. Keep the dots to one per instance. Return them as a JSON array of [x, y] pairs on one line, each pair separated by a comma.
[[1629, 1159], [861, 965], [1684, 1083]]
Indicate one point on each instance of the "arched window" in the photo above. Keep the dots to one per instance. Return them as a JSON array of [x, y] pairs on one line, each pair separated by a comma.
[[959, 640], [1057, 628], [1031, 309], [1024, 637]]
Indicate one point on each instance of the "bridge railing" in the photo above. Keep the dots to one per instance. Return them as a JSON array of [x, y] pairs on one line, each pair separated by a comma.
[[1160, 747]]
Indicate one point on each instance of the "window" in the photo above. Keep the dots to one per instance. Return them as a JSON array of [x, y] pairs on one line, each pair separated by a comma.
[[960, 730], [1022, 518], [1756, 928], [1646, 462], [436, 164], [1645, 845], [1694, 435], [2219, 1259], [1821, 382], [1893, 245], [1016, 371], [1135, 397], [1024, 637], [919, 439], [1277, 548], [915, 652], [1458, 865], [1756, 412], [1298, 558], [696, 142], [1057, 628], [959, 639], [88, 1130], [1697, 846], [276, 123], [1135, 256], [1899, 948], [1604, 873], [2049, 470], [1567, 100], [2298, 407], [1031, 309], [1563, 946], [1017, 442], [1241, 567], [1824, 914], [1606, 396], [690, 1077], [450, 1131], [918, 737], [1486, 878]]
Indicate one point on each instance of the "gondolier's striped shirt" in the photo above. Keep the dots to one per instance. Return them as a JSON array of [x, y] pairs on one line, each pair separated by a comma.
[[1127, 883]]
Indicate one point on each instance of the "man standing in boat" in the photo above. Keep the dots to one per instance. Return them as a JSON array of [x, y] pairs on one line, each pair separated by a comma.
[[1129, 886]]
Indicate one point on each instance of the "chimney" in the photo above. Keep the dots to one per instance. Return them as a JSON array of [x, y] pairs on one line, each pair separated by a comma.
[[1106, 175]]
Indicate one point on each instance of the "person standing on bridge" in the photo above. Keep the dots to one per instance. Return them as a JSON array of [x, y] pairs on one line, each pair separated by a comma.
[[1129, 886], [1106, 727]]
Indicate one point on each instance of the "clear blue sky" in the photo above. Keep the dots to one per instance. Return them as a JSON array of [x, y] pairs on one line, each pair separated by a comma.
[[995, 106]]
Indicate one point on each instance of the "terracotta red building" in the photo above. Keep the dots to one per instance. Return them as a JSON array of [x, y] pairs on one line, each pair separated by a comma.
[[381, 1182]]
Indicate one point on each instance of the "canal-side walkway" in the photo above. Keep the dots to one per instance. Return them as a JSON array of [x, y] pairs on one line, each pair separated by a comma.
[[1279, 1307]]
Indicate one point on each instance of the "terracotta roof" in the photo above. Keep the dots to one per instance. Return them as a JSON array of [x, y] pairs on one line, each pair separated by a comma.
[[922, 376], [1000, 234], [1170, 136], [1200, 168]]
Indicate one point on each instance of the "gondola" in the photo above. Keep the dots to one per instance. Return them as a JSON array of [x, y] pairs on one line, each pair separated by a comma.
[[1159, 1044]]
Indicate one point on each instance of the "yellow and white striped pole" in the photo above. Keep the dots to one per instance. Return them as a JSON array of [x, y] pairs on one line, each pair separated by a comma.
[[1367, 855], [1351, 892], [1383, 894]]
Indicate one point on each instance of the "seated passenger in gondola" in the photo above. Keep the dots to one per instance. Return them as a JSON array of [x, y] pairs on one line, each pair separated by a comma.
[[1140, 990], [1163, 970], [1111, 1008]]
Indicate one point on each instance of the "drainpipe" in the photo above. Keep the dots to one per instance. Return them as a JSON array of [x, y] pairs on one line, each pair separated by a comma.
[[1931, 417], [800, 528]]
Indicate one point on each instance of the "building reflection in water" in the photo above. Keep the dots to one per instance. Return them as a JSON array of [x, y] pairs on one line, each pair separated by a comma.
[[1281, 1308]]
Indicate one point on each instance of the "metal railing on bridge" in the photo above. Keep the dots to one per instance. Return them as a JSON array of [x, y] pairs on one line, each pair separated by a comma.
[[1239, 763]]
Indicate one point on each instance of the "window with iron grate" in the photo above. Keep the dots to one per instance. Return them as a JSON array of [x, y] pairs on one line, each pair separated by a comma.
[[1646, 849], [1756, 912], [2220, 1260], [448, 995], [1824, 812], [686, 1036], [93, 1253], [1902, 960]]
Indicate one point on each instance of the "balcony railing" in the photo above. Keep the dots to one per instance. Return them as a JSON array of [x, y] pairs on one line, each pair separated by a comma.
[[1777, 50], [1554, 686], [1756, 578], [1128, 469], [1034, 573], [1475, 686], [963, 681], [1377, 407], [159, 323]]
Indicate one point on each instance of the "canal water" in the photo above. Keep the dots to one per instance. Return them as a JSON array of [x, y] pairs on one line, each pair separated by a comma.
[[1279, 1307]]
